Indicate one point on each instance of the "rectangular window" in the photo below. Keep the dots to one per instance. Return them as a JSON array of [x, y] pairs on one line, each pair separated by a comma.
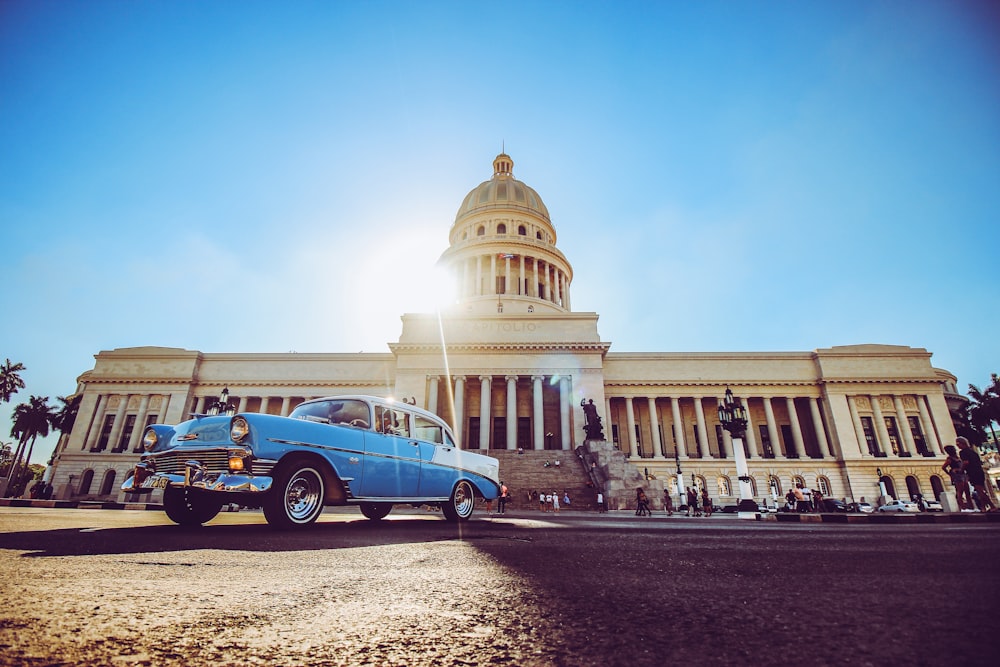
[[869, 429], [918, 436], [499, 433], [765, 442], [126, 435], [890, 426], [473, 440], [524, 432], [102, 442], [786, 436], [427, 430]]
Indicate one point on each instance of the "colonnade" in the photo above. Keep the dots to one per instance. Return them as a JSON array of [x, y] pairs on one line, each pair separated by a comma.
[[782, 427], [522, 275]]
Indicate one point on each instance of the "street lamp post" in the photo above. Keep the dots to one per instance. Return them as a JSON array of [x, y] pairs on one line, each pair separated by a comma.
[[733, 417]]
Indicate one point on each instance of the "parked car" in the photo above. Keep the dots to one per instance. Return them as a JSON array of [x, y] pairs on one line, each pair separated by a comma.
[[864, 508], [899, 506], [931, 505], [347, 450], [833, 505]]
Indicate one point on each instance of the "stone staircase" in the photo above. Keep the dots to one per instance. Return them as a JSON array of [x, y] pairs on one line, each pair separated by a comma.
[[527, 472]]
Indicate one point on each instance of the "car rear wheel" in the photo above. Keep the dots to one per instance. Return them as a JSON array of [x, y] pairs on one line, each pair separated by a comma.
[[459, 506], [376, 511], [296, 499], [190, 507]]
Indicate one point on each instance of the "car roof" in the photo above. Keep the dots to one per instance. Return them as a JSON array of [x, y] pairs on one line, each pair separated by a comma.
[[382, 401]]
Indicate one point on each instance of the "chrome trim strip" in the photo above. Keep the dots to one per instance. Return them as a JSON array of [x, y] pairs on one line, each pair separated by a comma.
[[223, 482]]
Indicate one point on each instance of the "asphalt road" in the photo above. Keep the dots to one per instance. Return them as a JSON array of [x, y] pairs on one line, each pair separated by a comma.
[[92, 587]]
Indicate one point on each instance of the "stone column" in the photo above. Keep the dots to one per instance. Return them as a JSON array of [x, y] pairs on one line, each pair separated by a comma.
[[285, 404], [511, 411], [699, 413], [933, 444], [465, 289], [493, 274], [564, 412], [432, 394], [263, 405], [751, 431], [459, 424], [793, 418], [630, 418], [884, 444], [116, 428], [726, 447], [654, 427], [140, 423], [534, 285], [485, 386], [537, 412], [824, 445], [521, 287], [678, 428], [506, 277], [772, 429], [608, 434], [242, 407], [479, 276], [903, 426], [859, 429]]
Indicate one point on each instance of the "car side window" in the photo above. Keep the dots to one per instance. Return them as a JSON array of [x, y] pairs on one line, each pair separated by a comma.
[[428, 430], [349, 412], [392, 422]]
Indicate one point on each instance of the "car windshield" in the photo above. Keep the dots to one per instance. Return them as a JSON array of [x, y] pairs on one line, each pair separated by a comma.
[[349, 412]]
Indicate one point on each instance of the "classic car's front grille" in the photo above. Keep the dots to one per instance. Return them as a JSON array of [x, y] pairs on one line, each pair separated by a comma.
[[214, 460]]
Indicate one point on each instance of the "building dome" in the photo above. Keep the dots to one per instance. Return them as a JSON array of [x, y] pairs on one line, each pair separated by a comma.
[[502, 191]]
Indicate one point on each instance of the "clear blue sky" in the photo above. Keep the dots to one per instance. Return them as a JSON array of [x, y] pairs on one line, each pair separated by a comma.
[[723, 176]]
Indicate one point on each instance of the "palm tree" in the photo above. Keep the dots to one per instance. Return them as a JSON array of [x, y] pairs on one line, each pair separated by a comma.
[[66, 416], [31, 420], [10, 380], [984, 409]]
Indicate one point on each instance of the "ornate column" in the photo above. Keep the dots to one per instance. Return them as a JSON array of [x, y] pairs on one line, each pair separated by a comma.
[[927, 424], [654, 427], [903, 426], [564, 411], [751, 434], [285, 403], [537, 412], [859, 429], [772, 429], [726, 446], [630, 418], [699, 413], [140, 423], [511, 411], [793, 418], [506, 277], [263, 405], [459, 408], [880, 429], [432, 394], [242, 407], [824, 445], [485, 386], [534, 284], [678, 428], [521, 287]]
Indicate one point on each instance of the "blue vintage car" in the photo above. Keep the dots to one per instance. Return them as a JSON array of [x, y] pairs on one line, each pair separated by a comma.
[[361, 450]]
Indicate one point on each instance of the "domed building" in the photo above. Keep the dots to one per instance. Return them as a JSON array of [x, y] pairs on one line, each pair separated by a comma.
[[512, 366]]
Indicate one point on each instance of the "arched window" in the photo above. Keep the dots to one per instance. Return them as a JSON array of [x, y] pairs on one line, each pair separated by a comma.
[[824, 486], [699, 483], [775, 485], [937, 486], [521, 231], [538, 235], [725, 487], [890, 488], [86, 481], [753, 487], [501, 228], [481, 231], [798, 479], [109, 482], [912, 486]]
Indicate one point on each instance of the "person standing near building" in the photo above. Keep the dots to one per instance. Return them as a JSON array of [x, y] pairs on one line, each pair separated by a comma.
[[955, 468], [706, 502], [668, 502], [600, 503], [973, 467], [502, 500]]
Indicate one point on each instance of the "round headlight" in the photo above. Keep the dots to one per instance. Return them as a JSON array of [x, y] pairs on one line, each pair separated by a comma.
[[149, 440], [238, 429]]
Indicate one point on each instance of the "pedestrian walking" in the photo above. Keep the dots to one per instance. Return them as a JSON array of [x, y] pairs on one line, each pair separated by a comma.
[[668, 502], [973, 467], [706, 502], [502, 500], [955, 468]]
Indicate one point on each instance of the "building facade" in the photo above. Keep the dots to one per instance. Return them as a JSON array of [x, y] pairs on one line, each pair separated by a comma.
[[509, 365]]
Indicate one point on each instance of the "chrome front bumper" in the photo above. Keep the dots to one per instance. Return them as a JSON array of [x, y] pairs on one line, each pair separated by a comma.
[[195, 476]]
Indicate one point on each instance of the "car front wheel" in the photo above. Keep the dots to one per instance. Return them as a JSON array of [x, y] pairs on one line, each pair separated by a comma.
[[189, 507], [459, 506], [375, 511], [296, 499]]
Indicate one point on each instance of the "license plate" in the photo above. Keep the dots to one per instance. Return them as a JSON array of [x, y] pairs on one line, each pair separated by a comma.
[[158, 483]]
